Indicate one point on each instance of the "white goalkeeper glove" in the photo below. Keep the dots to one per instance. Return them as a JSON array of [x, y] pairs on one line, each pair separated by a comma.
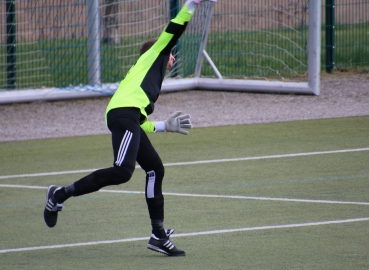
[[192, 5], [175, 123]]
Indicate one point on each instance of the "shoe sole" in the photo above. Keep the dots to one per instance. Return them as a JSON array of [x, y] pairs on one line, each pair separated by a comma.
[[50, 191], [159, 250]]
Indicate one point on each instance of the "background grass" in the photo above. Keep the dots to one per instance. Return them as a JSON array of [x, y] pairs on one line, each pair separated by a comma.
[[110, 216]]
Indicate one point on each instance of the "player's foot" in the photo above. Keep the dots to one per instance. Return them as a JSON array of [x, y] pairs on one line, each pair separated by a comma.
[[52, 207], [169, 232], [164, 245]]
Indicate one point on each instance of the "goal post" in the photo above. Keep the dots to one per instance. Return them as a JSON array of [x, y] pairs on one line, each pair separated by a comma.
[[63, 50], [311, 86]]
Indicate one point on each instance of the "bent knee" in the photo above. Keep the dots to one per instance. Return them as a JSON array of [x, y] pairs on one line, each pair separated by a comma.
[[122, 175], [157, 170]]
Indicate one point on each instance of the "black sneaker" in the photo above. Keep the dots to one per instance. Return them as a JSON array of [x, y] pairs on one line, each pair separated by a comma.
[[164, 245], [52, 208], [169, 232]]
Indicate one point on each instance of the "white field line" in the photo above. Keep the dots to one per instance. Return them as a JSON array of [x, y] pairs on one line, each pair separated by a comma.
[[206, 195], [297, 225], [238, 197], [197, 162]]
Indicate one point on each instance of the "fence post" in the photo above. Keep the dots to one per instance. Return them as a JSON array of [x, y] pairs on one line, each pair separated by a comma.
[[93, 42], [329, 35], [11, 44]]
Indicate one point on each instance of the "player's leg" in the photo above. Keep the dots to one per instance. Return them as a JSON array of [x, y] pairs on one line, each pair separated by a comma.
[[125, 127], [151, 163]]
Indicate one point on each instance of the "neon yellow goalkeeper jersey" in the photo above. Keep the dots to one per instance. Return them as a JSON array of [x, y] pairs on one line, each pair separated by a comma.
[[142, 84]]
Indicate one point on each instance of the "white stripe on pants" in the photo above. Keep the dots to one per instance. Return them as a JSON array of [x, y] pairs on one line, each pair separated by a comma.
[[151, 184], [123, 147]]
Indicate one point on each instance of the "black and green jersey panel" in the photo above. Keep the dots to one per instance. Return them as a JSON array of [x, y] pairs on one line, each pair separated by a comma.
[[142, 85]]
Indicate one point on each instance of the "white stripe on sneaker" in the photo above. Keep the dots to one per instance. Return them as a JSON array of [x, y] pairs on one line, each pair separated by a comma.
[[123, 148], [169, 245], [49, 205]]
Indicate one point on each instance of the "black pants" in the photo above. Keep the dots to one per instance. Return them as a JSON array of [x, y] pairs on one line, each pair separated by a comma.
[[130, 144]]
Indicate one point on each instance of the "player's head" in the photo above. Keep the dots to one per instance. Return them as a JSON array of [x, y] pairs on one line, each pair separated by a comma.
[[145, 46]]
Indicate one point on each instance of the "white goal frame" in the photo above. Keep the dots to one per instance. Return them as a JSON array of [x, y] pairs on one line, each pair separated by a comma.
[[311, 87], [95, 89]]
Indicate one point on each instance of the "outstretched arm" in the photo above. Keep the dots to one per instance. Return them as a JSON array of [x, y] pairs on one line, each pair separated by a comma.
[[175, 28]]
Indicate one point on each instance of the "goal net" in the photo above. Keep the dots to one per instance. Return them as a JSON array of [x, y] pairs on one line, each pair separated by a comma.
[[67, 47]]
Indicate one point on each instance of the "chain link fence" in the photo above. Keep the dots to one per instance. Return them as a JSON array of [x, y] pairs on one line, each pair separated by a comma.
[[43, 43]]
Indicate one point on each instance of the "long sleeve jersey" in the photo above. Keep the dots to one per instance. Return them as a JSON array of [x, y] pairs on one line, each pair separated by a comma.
[[142, 85]]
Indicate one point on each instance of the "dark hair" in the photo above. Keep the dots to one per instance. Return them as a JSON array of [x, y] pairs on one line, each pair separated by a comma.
[[147, 45]]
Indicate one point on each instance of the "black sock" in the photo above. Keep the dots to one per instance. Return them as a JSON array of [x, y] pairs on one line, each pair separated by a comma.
[[69, 190], [158, 228], [64, 193]]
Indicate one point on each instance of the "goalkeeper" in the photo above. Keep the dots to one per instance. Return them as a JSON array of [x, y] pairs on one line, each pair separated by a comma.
[[127, 119]]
